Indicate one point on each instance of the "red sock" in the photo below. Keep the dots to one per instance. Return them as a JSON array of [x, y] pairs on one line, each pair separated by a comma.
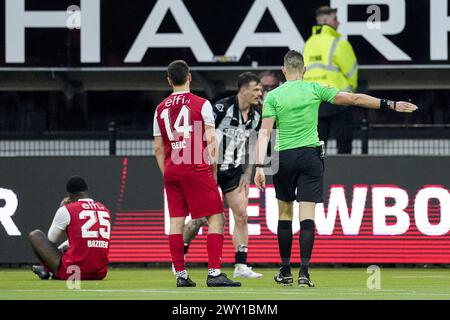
[[214, 244], [176, 245]]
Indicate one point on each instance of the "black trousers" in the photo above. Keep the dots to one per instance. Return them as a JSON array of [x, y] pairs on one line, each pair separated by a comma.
[[340, 124]]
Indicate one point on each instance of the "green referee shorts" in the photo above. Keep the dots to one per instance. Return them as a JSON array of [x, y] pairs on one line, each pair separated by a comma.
[[300, 175]]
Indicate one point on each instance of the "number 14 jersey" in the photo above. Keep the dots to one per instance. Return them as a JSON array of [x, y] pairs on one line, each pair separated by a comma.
[[180, 120]]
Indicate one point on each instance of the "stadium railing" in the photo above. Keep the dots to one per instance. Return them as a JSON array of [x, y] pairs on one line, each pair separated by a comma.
[[405, 139], [87, 143], [371, 139]]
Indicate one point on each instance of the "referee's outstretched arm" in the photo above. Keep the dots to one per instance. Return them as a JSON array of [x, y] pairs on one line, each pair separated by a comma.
[[366, 101]]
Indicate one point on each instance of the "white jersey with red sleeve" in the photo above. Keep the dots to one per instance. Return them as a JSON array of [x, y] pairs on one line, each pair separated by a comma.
[[180, 120]]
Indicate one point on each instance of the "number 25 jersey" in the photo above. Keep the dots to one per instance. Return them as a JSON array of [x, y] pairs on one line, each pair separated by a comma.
[[88, 227]]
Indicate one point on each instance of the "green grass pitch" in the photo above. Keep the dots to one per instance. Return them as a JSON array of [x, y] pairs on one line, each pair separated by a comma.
[[159, 284]]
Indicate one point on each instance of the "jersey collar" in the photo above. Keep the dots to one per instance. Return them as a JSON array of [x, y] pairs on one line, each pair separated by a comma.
[[237, 115], [326, 29], [180, 92]]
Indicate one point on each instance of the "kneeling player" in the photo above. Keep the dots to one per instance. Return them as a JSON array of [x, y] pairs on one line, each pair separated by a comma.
[[86, 223]]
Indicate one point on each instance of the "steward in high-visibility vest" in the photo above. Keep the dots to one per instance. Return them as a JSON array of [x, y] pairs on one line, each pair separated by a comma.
[[331, 61]]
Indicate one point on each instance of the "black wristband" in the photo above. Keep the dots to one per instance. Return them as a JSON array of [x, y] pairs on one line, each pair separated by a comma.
[[260, 166], [387, 104]]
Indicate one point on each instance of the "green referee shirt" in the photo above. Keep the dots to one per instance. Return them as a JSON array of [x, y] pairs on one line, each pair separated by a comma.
[[295, 106]]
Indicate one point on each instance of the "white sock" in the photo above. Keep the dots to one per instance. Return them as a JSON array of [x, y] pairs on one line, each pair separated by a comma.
[[242, 248], [214, 272], [182, 274]]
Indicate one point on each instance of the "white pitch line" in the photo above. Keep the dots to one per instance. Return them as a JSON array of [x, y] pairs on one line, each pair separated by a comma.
[[282, 292], [428, 277]]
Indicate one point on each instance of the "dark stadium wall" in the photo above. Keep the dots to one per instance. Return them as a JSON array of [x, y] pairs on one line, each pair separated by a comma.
[[39, 184], [378, 209]]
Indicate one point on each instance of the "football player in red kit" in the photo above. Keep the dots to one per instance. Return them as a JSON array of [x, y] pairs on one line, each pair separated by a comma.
[[86, 224], [185, 148]]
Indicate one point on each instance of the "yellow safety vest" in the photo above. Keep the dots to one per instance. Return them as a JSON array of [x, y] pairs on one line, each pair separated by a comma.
[[330, 60]]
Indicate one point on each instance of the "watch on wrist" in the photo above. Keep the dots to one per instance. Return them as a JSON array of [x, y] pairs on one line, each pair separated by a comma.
[[388, 104]]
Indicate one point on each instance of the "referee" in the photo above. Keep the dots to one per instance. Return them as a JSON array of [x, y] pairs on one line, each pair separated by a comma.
[[294, 107]]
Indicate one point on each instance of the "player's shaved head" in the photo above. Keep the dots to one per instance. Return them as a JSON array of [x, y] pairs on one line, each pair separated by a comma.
[[293, 61], [178, 72], [76, 185]]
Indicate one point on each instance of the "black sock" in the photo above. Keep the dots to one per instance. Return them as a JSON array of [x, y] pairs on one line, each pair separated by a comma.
[[285, 243], [241, 255], [306, 244], [186, 247]]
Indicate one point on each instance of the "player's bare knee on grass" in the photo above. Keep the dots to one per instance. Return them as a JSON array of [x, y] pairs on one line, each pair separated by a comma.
[[36, 235], [46, 251], [37, 239]]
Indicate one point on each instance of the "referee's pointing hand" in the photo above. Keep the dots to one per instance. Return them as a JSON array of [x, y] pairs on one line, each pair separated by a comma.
[[402, 106], [260, 178]]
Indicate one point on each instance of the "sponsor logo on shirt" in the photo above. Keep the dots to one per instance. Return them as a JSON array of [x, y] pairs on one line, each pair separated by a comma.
[[220, 107], [237, 134]]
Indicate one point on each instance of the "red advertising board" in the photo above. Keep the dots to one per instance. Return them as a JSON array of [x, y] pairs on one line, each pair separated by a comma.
[[398, 211], [393, 228]]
